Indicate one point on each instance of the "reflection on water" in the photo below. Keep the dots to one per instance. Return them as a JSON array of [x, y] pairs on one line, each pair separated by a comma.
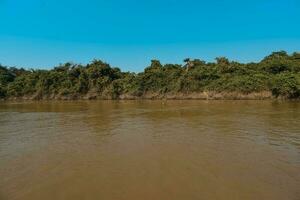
[[150, 150]]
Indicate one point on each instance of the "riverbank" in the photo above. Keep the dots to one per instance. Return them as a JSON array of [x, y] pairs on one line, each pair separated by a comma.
[[276, 76], [208, 95]]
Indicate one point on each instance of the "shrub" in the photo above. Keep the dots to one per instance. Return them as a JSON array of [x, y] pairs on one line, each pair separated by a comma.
[[286, 85]]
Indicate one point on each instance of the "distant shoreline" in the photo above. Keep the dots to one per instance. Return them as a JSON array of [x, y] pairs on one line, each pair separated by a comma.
[[276, 76], [266, 95]]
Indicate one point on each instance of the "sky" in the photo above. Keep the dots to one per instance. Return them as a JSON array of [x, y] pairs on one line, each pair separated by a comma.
[[129, 33]]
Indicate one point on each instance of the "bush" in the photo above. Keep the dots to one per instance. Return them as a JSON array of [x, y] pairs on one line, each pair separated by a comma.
[[286, 85], [278, 72], [2, 92]]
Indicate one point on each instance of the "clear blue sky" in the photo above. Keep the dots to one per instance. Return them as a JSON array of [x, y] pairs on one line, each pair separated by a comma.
[[128, 33]]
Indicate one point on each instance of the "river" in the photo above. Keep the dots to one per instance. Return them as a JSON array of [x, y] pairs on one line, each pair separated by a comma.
[[134, 150]]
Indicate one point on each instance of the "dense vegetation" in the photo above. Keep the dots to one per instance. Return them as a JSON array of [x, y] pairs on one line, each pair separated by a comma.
[[278, 73]]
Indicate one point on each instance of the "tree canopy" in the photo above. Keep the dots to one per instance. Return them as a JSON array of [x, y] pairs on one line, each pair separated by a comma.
[[278, 73]]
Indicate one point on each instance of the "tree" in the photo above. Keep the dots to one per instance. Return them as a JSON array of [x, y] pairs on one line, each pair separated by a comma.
[[278, 73]]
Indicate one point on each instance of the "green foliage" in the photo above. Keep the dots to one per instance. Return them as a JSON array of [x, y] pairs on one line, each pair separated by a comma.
[[279, 62], [6, 75], [278, 73], [2, 92], [287, 85]]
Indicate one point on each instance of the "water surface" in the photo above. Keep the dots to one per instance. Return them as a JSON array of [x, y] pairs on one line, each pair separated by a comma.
[[133, 150]]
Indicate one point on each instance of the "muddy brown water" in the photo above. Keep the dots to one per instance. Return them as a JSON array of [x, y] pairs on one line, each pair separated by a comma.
[[133, 150]]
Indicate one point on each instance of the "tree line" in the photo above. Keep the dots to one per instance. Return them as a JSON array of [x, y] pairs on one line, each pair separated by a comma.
[[278, 73]]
